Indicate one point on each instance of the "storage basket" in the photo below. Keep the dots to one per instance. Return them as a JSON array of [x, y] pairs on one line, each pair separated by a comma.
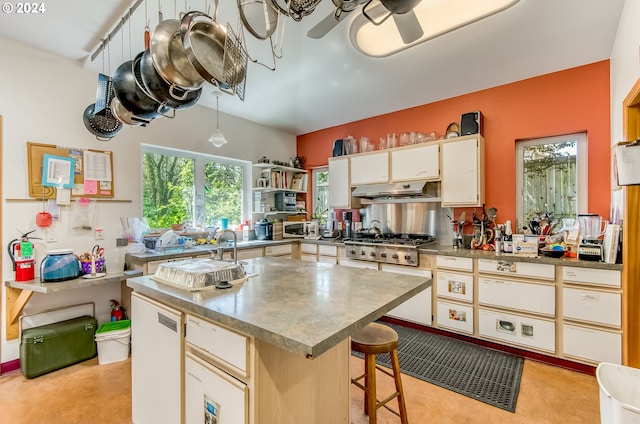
[[86, 267]]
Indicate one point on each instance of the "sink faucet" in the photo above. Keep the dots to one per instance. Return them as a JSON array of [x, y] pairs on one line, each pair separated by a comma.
[[235, 244]]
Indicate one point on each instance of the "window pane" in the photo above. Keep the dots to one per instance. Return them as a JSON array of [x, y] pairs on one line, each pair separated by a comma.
[[549, 179], [321, 194], [223, 193], [167, 189]]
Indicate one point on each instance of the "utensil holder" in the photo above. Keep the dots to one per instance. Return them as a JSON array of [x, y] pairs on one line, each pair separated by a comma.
[[86, 267]]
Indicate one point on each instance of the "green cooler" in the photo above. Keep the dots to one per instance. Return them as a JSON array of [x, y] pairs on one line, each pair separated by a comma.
[[53, 346]]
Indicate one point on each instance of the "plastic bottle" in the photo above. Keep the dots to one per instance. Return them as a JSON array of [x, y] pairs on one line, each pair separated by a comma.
[[245, 231], [507, 241]]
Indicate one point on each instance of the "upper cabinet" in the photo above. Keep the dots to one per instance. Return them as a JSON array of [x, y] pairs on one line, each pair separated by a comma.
[[463, 171], [339, 189], [416, 163], [280, 178], [369, 168]]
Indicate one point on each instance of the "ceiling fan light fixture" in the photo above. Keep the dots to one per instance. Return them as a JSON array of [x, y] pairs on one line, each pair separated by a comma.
[[436, 17]]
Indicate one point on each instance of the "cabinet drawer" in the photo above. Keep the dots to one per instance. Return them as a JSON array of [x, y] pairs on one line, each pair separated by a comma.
[[354, 263], [518, 329], [249, 253], [592, 344], [278, 250], [454, 262], [308, 248], [525, 269], [308, 258], [537, 298], [327, 250], [230, 347], [592, 306], [603, 277], [210, 392], [455, 316], [328, 259], [455, 286]]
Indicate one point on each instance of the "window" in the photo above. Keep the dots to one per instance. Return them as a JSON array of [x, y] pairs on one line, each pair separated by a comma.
[[320, 194], [183, 186], [551, 176]]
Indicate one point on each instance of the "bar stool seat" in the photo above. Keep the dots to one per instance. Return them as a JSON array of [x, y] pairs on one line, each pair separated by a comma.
[[372, 340]]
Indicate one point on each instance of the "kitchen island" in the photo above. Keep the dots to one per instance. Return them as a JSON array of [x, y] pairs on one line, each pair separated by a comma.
[[296, 318]]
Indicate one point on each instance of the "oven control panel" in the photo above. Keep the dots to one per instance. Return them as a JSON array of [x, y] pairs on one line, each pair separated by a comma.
[[380, 253]]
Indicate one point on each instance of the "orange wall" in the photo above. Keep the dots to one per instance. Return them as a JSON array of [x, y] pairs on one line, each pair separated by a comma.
[[563, 102]]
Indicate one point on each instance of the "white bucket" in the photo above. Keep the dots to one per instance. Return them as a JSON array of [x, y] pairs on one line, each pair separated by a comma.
[[115, 259], [113, 346], [619, 394]]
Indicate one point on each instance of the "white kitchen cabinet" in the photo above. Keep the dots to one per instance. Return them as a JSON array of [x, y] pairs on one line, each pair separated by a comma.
[[455, 286], [282, 250], [593, 344], [369, 168], [211, 395], [339, 185], [418, 308], [518, 329], [599, 277], [526, 297], [455, 316], [593, 306], [520, 269], [414, 163], [156, 357], [454, 262], [463, 171], [354, 263]]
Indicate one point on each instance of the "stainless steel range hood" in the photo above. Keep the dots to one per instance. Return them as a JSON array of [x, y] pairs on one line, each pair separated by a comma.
[[405, 191]]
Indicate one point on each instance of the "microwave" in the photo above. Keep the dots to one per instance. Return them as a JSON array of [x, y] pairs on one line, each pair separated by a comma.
[[293, 229]]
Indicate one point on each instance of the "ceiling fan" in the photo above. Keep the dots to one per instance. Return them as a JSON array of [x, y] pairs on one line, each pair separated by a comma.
[[402, 11]]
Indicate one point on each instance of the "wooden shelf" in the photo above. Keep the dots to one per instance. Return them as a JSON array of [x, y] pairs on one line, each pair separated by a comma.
[[17, 294]]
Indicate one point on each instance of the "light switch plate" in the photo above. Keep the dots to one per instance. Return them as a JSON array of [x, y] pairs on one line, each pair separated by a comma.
[[99, 234]]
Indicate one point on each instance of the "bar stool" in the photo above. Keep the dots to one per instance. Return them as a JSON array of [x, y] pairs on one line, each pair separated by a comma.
[[372, 340]]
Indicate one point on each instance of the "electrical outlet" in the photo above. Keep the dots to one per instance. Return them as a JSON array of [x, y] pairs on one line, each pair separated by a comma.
[[50, 235], [99, 234]]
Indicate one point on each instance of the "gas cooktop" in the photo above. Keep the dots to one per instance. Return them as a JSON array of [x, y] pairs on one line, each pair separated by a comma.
[[400, 249], [410, 240]]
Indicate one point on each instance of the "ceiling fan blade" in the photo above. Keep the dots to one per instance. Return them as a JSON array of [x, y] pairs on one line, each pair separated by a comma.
[[409, 26], [324, 26]]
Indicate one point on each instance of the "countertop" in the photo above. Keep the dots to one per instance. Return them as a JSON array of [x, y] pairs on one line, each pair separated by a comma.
[[302, 307], [436, 249]]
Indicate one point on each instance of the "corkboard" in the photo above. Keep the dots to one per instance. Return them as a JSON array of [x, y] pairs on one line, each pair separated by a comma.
[[35, 154]]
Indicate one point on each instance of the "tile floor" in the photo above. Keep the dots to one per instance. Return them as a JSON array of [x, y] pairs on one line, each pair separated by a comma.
[[88, 393]]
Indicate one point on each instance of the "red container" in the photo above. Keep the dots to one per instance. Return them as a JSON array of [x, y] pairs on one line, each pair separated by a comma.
[[25, 270]]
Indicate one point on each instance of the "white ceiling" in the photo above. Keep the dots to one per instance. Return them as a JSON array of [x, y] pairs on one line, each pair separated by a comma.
[[326, 82]]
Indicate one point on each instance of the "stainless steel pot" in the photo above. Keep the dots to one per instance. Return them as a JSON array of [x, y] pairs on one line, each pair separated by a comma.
[[132, 93], [126, 116], [204, 44], [162, 91], [170, 59]]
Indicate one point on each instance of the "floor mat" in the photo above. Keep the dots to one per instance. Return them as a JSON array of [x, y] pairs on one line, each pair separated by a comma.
[[484, 374]]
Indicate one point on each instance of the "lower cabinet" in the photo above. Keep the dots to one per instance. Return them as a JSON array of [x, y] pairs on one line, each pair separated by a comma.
[[526, 331], [418, 308], [354, 263], [212, 394], [592, 344], [455, 316], [282, 250], [156, 344]]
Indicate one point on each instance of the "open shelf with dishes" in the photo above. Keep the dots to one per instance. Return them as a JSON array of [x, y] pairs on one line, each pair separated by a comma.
[[271, 178]]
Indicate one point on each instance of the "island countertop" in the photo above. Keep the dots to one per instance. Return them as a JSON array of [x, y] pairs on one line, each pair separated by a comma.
[[302, 307]]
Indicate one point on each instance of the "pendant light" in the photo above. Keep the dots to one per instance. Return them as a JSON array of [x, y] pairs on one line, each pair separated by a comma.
[[217, 138]]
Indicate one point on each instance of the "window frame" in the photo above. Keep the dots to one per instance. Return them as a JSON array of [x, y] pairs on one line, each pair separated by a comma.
[[200, 160], [582, 191], [314, 189]]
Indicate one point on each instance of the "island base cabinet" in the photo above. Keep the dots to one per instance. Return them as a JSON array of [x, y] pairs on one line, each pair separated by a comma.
[[293, 389], [156, 362], [211, 395], [455, 316]]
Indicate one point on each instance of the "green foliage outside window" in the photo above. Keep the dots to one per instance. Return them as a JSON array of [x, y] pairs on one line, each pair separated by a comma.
[[167, 189]]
